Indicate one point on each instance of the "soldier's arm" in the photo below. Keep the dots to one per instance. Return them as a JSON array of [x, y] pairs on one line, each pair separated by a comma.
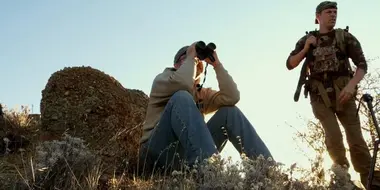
[[355, 52], [297, 55]]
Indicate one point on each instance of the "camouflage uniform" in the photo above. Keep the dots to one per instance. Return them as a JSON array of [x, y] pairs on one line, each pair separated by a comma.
[[330, 72]]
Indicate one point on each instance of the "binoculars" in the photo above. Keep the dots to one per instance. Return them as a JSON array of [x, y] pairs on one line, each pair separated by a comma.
[[205, 51]]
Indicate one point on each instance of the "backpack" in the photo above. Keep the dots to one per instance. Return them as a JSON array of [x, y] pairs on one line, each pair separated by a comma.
[[339, 37], [341, 44]]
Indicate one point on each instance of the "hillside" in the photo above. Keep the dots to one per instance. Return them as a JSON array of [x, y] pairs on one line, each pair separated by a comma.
[[87, 138]]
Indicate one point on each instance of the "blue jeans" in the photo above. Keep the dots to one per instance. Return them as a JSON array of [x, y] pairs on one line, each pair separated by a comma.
[[183, 135]]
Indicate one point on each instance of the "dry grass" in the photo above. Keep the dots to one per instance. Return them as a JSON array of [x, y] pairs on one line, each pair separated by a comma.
[[69, 164]]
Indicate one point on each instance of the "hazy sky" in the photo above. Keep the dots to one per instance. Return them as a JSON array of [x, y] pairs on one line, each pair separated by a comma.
[[133, 41]]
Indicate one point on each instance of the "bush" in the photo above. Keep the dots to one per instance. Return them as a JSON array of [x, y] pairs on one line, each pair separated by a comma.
[[66, 164]]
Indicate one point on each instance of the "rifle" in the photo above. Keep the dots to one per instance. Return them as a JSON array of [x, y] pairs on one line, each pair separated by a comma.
[[304, 76], [368, 99]]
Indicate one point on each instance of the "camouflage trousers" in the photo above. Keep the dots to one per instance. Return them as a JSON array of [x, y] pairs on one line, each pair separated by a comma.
[[359, 152]]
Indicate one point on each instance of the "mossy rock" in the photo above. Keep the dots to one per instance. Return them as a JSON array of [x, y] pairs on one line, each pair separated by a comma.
[[87, 103]]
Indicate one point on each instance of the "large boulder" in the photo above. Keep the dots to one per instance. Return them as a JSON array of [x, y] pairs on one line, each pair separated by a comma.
[[87, 103]]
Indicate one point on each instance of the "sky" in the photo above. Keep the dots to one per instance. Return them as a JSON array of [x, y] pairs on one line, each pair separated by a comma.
[[133, 41]]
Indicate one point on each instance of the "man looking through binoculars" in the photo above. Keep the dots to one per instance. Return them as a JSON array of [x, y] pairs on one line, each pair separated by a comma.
[[175, 131]]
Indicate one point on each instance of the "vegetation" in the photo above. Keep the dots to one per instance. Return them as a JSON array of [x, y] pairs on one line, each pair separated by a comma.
[[69, 164], [30, 160]]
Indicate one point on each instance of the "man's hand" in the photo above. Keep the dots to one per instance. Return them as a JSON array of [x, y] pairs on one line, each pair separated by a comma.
[[213, 63], [311, 40], [191, 51], [346, 93], [350, 88]]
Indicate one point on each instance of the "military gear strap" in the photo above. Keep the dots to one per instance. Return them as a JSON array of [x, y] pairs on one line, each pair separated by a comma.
[[341, 44], [323, 92]]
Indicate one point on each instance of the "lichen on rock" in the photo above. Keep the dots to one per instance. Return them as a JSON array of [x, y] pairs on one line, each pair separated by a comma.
[[87, 103]]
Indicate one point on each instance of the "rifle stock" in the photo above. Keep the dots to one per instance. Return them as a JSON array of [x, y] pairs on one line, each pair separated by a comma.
[[302, 79], [303, 74]]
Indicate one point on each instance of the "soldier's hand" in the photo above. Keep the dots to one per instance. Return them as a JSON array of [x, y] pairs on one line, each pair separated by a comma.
[[346, 93], [311, 40]]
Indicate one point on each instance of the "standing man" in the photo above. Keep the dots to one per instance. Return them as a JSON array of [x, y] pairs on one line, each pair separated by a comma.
[[332, 87], [175, 131]]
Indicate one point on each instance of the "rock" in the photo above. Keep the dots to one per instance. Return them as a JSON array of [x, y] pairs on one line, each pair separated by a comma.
[[1, 111], [2, 122], [87, 103]]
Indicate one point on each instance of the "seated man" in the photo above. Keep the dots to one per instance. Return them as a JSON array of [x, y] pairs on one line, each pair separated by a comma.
[[174, 128]]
